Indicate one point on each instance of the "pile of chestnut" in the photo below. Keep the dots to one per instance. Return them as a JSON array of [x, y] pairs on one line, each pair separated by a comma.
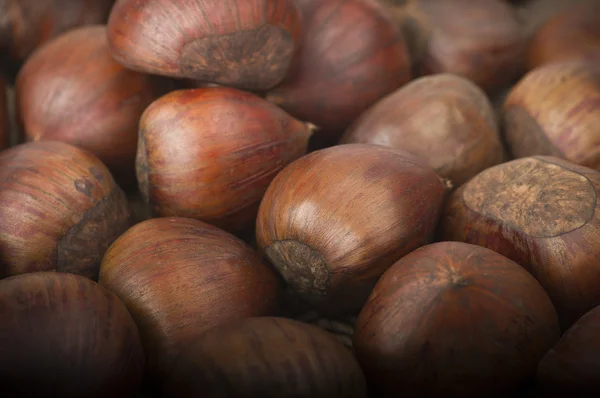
[[299, 198]]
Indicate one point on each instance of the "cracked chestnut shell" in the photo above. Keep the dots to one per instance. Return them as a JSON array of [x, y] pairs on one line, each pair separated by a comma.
[[97, 108], [452, 319], [66, 336], [445, 119], [543, 213], [555, 111], [210, 154], [266, 357], [334, 220], [179, 277], [60, 209], [246, 44]]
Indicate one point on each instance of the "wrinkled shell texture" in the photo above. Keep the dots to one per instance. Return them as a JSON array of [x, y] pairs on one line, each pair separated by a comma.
[[267, 357], [242, 43], [445, 119], [68, 335], [73, 91], [343, 215], [179, 277], [63, 199], [454, 320], [555, 110], [211, 153], [543, 213]]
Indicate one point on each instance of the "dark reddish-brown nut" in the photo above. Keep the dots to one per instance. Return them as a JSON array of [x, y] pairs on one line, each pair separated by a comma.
[[334, 220], [570, 35], [555, 110], [481, 40], [445, 119], [572, 367], [60, 209], [454, 320], [179, 277], [211, 153], [27, 24], [4, 118], [243, 43], [266, 357], [71, 90], [543, 213], [65, 336], [352, 54]]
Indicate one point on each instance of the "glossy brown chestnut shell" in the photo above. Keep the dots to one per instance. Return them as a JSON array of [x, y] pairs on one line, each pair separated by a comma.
[[60, 209], [99, 105], [555, 110], [269, 358], [243, 43], [454, 320], [65, 336], [543, 213], [334, 220], [211, 153], [445, 119], [179, 277]]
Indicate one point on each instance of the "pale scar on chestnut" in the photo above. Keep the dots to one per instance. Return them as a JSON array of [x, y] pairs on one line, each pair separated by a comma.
[[540, 198]]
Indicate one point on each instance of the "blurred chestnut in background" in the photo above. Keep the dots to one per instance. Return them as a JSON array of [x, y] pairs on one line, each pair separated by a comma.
[[555, 110], [570, 35], [454, 320], [60, 209], [27, 24], [211, 153], [268, 358], [71, 90], [352, 54], [481, 40], [246, 44], [445, 119], [66, 336], [4, 117], [572, 367], [334, 220], [541, 212], [179, 277]]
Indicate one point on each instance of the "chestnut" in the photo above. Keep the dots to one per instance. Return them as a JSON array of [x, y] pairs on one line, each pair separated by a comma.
[[572, 367], [542, 213], [266, 357], [573, 34], [452, 319], [445, 119], [211, 153], [352, 54], [64, 335], [179, 277], [554, 111], [97, 108], [5, 125], [334, 220], [60, 209], [247, 44]]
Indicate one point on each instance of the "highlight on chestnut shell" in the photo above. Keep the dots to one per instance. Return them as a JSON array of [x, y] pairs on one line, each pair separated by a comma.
[[555, 110], [352, 54], [247, 44], [66, 336], [334, 220], [452, 319], [543, 213], [179, 277], [97, 108], [210, 154], [445, 119], [266, 357], [60, 209]]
